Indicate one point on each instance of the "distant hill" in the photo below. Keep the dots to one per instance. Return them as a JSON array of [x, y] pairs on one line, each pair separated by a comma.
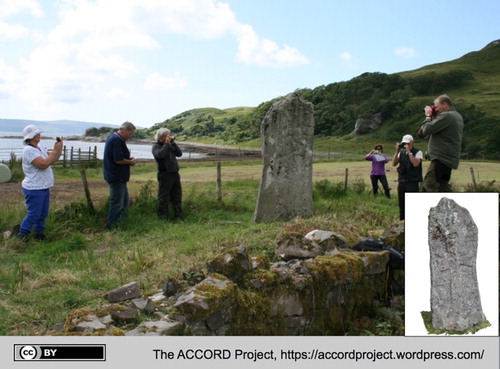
[[53, 127], [395, 101]]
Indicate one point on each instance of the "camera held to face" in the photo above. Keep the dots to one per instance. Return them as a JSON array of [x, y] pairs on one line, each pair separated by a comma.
[[433, 110], [402, 145]]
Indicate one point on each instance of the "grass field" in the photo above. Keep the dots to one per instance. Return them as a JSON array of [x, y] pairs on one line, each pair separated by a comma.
[[80, 261]]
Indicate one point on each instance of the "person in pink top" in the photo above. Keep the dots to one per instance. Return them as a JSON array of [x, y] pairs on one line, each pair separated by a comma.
[[378, 159]]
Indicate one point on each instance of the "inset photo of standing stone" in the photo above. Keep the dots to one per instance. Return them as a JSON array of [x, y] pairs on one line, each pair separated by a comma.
[[452, 264]]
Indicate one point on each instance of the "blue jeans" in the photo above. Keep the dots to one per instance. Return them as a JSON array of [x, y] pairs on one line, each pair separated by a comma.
[[38, 203], [118, 202]]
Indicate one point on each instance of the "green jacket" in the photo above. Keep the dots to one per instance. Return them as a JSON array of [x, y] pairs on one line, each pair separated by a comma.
[[445, 142]]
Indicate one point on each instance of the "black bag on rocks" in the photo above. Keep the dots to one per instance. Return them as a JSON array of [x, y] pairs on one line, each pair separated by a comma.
[[396, 259]]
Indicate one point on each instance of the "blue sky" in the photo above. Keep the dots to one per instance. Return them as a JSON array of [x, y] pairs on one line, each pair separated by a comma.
[[107, 61]]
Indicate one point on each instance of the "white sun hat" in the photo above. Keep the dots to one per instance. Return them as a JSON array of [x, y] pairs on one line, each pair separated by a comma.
[[30, 131]]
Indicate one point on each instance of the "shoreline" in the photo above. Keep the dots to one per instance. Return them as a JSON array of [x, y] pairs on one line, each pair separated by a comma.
[[212, 151]]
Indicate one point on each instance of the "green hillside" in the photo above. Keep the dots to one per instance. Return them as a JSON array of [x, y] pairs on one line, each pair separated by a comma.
[[472, 81]]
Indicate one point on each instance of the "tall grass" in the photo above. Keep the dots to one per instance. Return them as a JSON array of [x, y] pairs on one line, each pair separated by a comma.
[[41, 281], [80, 261]]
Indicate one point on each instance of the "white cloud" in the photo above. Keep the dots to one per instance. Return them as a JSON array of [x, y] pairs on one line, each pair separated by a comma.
[[405, 51], [11, 31], [156, 81], [9, 81], [203, 19], [263, 52], [12, 7], [347, 58], [209, 19], [95, 41], [117, 93]]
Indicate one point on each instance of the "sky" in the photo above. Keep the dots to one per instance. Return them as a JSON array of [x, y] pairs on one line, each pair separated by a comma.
[[144, 61]]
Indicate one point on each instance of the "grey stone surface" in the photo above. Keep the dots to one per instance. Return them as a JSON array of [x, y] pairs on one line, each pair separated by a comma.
[[327, 239], [126, 292], [91, 325], [287, 152], [233, 264], [297, 247], [287, 304], [453, 241], [364, 126], [313, 296], [144, 305], [156, 328], [127, 314]]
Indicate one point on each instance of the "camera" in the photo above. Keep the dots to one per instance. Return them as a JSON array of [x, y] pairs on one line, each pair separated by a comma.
[[58, 139], [375, 151], [172, 138], [402, 145], [433, 108]]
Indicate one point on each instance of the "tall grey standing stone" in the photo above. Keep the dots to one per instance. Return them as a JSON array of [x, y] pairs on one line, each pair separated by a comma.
[[287, 150], [453, 236]]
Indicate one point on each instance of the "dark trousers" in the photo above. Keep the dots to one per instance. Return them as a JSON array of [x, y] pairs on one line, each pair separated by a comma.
[[383, 180], [437, 178], [404, 187], [119, 202], [169, 191]]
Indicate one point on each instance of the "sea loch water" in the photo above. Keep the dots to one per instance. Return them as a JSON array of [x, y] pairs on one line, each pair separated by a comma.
[[15, 145]]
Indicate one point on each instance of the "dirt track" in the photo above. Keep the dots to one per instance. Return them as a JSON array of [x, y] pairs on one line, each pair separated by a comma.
[[65, 191], [62, 192]]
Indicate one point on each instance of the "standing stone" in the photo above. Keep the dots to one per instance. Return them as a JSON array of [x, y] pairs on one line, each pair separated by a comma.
[[455, 300], [287, 150]]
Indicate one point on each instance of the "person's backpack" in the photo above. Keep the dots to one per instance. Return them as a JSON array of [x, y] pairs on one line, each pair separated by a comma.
[[396, 259]]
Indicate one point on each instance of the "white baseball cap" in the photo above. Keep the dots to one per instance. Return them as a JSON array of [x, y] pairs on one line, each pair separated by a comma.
[[407, 139], [30, 131]]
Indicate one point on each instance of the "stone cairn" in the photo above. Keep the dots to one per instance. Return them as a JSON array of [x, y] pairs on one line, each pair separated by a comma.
[[318, 285], [287, 151], [453, 236]]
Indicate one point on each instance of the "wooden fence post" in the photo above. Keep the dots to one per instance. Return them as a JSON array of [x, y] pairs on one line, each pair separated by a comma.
[[90, 205], [474, 184], [219, 182], [346, 179]]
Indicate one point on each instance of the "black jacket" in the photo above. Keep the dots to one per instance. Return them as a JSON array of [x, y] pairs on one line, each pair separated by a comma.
[[406, 171], [166, 155]]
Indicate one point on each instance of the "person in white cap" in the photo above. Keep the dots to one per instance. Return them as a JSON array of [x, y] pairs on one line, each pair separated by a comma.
[[37, 182], [409, 170]]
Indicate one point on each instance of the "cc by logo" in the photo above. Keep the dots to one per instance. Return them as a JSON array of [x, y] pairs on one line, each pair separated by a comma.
[[28, 352]]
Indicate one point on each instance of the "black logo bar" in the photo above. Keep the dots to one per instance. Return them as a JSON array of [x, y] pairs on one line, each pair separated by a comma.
[[60, 352]]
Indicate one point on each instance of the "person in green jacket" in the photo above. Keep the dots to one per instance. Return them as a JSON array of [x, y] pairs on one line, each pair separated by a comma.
[[444, 126]]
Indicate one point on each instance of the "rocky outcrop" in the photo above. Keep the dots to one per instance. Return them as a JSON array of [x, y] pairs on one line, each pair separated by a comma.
[[364, 126], [307, 292]]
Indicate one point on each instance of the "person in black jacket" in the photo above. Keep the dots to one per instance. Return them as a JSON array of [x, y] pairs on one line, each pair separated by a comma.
[[166, 152], [409, 170]]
